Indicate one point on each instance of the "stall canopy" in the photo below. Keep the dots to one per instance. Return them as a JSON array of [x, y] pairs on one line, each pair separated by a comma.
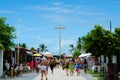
[[29, 53], [37, 55], [67, 55], [48, 54], [85, 55]]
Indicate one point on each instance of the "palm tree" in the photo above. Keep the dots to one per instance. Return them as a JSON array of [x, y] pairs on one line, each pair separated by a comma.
[[72, 48], [79, 44], [42, 48]]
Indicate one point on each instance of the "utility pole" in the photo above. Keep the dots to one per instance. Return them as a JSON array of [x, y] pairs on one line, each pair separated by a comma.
[[18, 41], [60, 28]]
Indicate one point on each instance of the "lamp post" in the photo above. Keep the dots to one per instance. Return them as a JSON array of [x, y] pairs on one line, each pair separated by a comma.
[[18, 40], [60, 28]]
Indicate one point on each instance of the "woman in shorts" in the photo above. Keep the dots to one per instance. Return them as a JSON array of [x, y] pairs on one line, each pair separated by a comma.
[[43, 70]]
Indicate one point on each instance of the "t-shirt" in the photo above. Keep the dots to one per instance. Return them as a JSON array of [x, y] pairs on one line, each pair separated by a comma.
[[78, 65]]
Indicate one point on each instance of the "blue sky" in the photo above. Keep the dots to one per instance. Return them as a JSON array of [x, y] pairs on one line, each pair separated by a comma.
[[38, 19]]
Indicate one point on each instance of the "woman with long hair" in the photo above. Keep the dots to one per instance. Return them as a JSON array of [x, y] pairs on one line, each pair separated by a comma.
[[85, 65]]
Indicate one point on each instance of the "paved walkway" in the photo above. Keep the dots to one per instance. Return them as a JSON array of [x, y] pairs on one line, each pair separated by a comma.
[[58, 74]]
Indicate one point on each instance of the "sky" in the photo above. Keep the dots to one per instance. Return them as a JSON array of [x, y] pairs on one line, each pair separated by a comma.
[[35, 20]]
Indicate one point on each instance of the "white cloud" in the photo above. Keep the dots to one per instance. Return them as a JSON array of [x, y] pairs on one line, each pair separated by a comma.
[[6, 11], [33, 29], [62, 19], [55, 3], [61, 8]]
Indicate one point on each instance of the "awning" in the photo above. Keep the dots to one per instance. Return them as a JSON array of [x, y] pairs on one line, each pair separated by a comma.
[[37, 55], [68, 55], [29, 53], [47, 54], [85, 55]]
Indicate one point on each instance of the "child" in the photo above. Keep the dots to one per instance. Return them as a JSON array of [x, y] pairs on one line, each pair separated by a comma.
[[71, 67], [78, 67]]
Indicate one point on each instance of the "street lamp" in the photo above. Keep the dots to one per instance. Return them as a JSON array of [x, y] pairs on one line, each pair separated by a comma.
[[18, 39], [60, 28]]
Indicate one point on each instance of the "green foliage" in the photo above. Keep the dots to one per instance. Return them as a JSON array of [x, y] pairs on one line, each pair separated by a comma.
[[76, 53], [75, 50], [92, 41], [32, 49], [117, 39], [6, 35], [79, 44], [100, 41], [43, 48], [22, 45], [71, 48], [94, 74]]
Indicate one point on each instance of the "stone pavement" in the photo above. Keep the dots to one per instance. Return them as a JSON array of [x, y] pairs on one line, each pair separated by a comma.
[[58, 74]]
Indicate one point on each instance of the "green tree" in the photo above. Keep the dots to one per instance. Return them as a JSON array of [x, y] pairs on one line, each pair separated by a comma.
[[71, 48], [92, 42], [32, 49], [76, 50], [76, 53], [79, 44], [102, 42], [6, 34], [117, 40], [22, 45], [42, 48]]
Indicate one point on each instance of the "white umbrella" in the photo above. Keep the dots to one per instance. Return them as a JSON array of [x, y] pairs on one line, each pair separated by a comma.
[[82, 55], [88, 54], [85, 55], [37, 55], [47, 54]]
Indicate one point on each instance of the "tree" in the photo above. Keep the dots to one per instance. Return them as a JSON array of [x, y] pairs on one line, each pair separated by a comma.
[[22, 45], [96, 40], [102, 42], [71, 48], [76, 53], [42, 48], [79, 44], [117, 39], [6, 35], [76, 50], [32, 49]]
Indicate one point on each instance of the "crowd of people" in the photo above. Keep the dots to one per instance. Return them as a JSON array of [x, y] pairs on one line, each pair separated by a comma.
[[12, 70], [73, 65], [41, 65]]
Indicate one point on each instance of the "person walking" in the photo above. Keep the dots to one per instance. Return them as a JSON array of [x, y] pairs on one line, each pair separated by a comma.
[[85, 65], [58, 62], [43, 70], [37, 65], [66, 66], [32, 65], [52, 65], [71, 67], [78, 66]]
